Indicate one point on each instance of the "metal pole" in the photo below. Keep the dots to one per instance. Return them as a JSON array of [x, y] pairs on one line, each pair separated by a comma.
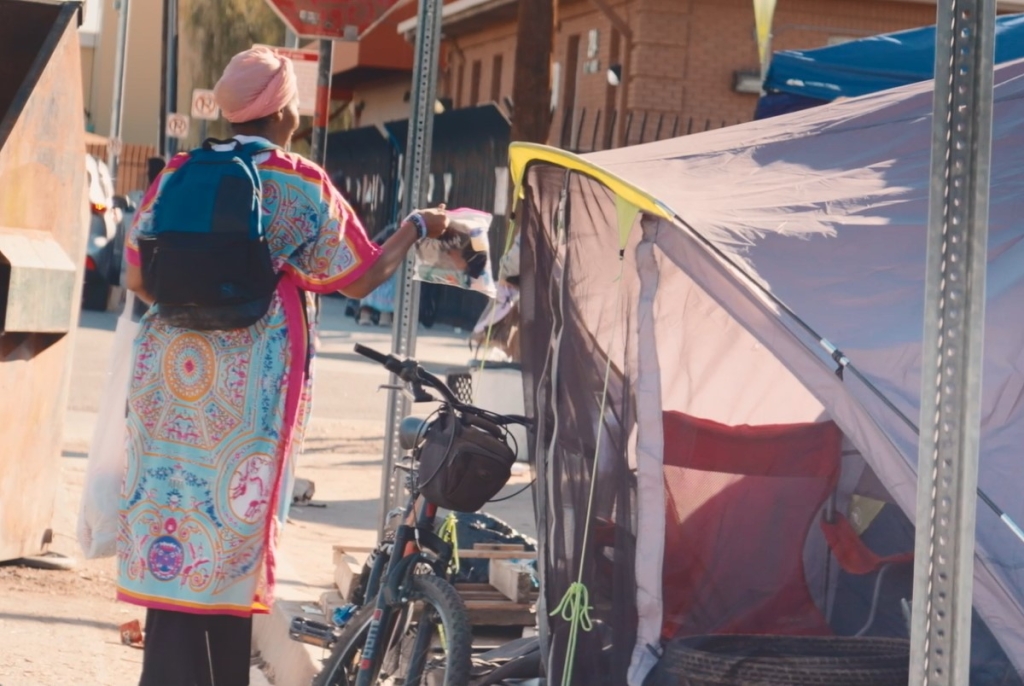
[[118, 100], [415, 173], [318, 147], [168, 144], [952, 344], [164, 77]]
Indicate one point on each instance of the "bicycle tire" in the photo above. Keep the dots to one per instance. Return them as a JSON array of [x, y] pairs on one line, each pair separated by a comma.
[[436, 592]]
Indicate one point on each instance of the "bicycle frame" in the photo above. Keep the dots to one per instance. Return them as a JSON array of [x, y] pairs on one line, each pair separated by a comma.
[[391, 573], [389, 579]]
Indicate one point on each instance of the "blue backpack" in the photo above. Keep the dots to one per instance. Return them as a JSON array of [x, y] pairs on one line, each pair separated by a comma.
[[206, 261]]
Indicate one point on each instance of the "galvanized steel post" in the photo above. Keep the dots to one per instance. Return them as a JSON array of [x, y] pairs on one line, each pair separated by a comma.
[[416, 171], [953, 337]]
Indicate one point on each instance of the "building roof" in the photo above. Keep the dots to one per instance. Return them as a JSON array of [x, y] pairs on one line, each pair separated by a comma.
[[466, 16]]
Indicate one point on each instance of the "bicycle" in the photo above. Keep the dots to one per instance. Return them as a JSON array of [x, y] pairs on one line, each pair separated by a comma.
[[410, 611]]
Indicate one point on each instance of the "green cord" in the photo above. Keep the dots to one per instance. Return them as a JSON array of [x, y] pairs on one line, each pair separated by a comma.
[[450, 535], [575, 608]]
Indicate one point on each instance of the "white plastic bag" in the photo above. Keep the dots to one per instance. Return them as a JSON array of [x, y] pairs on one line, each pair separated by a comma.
[[463, 257], [108, 456]]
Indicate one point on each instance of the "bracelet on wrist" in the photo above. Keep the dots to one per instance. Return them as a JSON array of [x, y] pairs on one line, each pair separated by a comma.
[[417, 220]]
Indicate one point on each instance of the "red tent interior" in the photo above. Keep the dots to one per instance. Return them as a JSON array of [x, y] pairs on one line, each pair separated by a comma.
[[740, 503]]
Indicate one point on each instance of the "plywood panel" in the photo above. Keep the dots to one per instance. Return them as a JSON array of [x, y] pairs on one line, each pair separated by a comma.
[[42, 188]]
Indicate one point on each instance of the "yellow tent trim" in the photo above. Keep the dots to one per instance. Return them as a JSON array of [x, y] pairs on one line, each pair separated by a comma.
[[627, 213], [520, 155]]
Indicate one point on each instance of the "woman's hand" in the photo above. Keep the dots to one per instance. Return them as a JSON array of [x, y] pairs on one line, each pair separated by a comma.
[[436, 220], [394, 250]]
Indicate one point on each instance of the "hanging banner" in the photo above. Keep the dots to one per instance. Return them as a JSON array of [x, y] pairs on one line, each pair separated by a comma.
[[764, 10]]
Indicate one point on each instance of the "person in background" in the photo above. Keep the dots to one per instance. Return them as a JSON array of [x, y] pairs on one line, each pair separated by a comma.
[[379, 306], [154, 165], [215, 419]]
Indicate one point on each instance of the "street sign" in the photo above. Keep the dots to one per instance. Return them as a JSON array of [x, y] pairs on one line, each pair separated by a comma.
[[204, 105], [332, 19], [305, 62], [177, 125]]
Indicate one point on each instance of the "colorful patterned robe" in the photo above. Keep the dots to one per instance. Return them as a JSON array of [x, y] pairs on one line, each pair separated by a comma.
[[215, 419]]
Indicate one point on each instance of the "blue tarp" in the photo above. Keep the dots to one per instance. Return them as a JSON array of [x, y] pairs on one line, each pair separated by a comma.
[[867, 65]]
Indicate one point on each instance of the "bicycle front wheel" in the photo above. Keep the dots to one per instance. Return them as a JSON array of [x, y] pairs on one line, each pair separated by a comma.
[[436, 647]]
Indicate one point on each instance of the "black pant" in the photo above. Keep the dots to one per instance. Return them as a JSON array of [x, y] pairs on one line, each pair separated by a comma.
[[183, 649]]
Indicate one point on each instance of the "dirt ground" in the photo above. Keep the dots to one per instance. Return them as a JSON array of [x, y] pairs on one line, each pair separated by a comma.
[[61, 627]]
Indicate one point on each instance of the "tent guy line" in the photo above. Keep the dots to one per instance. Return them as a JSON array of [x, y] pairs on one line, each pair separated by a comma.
[[844, 362]]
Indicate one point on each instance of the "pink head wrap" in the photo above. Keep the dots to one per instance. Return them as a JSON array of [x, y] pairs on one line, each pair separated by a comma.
[[255, 84]]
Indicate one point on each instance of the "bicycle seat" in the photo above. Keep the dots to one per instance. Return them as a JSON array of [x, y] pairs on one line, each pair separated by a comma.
[[410, 431]]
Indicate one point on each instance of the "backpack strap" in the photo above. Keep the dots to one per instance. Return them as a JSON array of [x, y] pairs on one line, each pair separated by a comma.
[[257, 147]]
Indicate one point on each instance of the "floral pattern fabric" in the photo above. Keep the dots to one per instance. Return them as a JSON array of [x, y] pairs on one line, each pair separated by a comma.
[[215, 419]]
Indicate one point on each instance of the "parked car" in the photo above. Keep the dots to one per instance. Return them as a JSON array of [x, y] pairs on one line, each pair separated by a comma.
[[103, 254]]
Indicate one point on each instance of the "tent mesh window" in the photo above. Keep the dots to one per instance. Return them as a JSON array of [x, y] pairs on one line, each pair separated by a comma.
[[592, 317], [740, 502]]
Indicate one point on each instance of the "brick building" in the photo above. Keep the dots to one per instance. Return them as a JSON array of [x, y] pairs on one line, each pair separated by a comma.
[[693, 63]]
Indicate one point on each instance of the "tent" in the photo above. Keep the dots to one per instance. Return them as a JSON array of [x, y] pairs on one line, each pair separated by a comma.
[[798, 79], [722, 351]]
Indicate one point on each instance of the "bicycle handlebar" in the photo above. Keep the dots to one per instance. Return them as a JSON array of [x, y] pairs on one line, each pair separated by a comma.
[[412, 373], [389, 362]]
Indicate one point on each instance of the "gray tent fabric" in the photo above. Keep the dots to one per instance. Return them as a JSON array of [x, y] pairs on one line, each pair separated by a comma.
[[823, 210], [827, 210]]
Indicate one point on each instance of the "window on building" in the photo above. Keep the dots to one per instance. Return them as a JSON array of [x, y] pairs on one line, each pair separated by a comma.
[[611, 92], [572, 67], [496, 79], [474, 84]]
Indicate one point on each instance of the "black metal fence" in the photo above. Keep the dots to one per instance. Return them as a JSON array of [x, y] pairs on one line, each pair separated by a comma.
[[363, 165], [468, 162], [594, 130]]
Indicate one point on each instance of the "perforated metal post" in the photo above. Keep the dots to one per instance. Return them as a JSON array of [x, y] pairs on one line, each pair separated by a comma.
[[953, 337], [416, 169]]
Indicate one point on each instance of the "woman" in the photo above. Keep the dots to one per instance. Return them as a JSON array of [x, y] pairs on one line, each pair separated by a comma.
[[215, 419]]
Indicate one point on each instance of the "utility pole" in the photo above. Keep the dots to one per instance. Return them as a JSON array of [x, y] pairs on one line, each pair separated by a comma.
[[531, 90], [118, 101]]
